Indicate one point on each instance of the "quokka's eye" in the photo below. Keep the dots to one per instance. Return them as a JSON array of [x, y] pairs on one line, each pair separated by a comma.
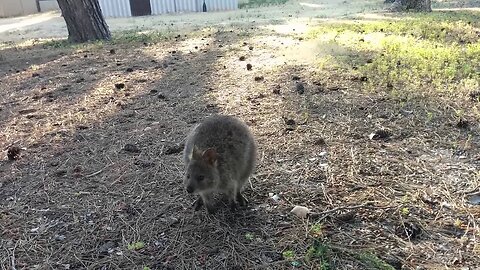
[[200, 178]]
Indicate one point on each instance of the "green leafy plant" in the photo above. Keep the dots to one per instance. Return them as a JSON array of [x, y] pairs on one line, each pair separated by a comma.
[[249, 236]]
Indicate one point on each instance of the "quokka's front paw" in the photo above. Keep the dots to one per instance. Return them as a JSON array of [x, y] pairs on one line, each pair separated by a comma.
[[241, 200], [233, 205], [211, 209], [197, 205]]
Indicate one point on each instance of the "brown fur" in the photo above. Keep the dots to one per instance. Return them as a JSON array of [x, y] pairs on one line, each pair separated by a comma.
[[219, 155]]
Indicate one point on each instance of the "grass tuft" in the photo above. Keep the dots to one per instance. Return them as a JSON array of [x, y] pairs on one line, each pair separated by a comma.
[[261, 3]]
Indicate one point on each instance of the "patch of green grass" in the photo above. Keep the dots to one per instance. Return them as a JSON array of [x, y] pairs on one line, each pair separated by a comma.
[[65, 44], [442, 26], [136, 246], [129, 36], [438, 51], [321, 252], [373, 262], [316, 230], [288, 255], [260, 3], [57, 43], [137, 36]]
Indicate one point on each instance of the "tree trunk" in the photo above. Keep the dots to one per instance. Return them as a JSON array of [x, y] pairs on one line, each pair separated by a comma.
[[412, 5], [84, 20], [418, 5]]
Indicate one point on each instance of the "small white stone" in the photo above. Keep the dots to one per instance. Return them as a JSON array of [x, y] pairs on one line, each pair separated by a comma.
[[275, 197], [300, 211]]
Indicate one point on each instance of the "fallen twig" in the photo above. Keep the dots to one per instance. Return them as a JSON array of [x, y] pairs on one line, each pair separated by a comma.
[[13, 259], [97, 172]]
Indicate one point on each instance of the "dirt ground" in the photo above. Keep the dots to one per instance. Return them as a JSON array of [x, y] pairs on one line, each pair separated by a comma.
[[98, 181]]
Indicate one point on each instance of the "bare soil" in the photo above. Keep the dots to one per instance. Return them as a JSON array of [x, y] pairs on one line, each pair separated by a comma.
[[77, 198]]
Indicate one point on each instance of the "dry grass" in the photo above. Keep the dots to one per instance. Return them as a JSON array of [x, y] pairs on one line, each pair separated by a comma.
[[75, 199]]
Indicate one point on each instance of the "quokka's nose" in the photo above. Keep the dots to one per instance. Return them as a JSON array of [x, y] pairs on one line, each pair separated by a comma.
[[189, 189]]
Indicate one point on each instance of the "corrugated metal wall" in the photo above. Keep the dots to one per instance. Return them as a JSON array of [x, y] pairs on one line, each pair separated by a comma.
[[121, 8], [217, 5], [115, 8], [186, 5], [162, 6]]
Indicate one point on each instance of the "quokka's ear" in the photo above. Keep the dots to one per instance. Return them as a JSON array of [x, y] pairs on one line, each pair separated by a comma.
[[210, 156], [195, 153]]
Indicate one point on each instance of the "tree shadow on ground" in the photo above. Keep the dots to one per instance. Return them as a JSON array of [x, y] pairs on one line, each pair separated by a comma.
[[13, 60], [82, 198]]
